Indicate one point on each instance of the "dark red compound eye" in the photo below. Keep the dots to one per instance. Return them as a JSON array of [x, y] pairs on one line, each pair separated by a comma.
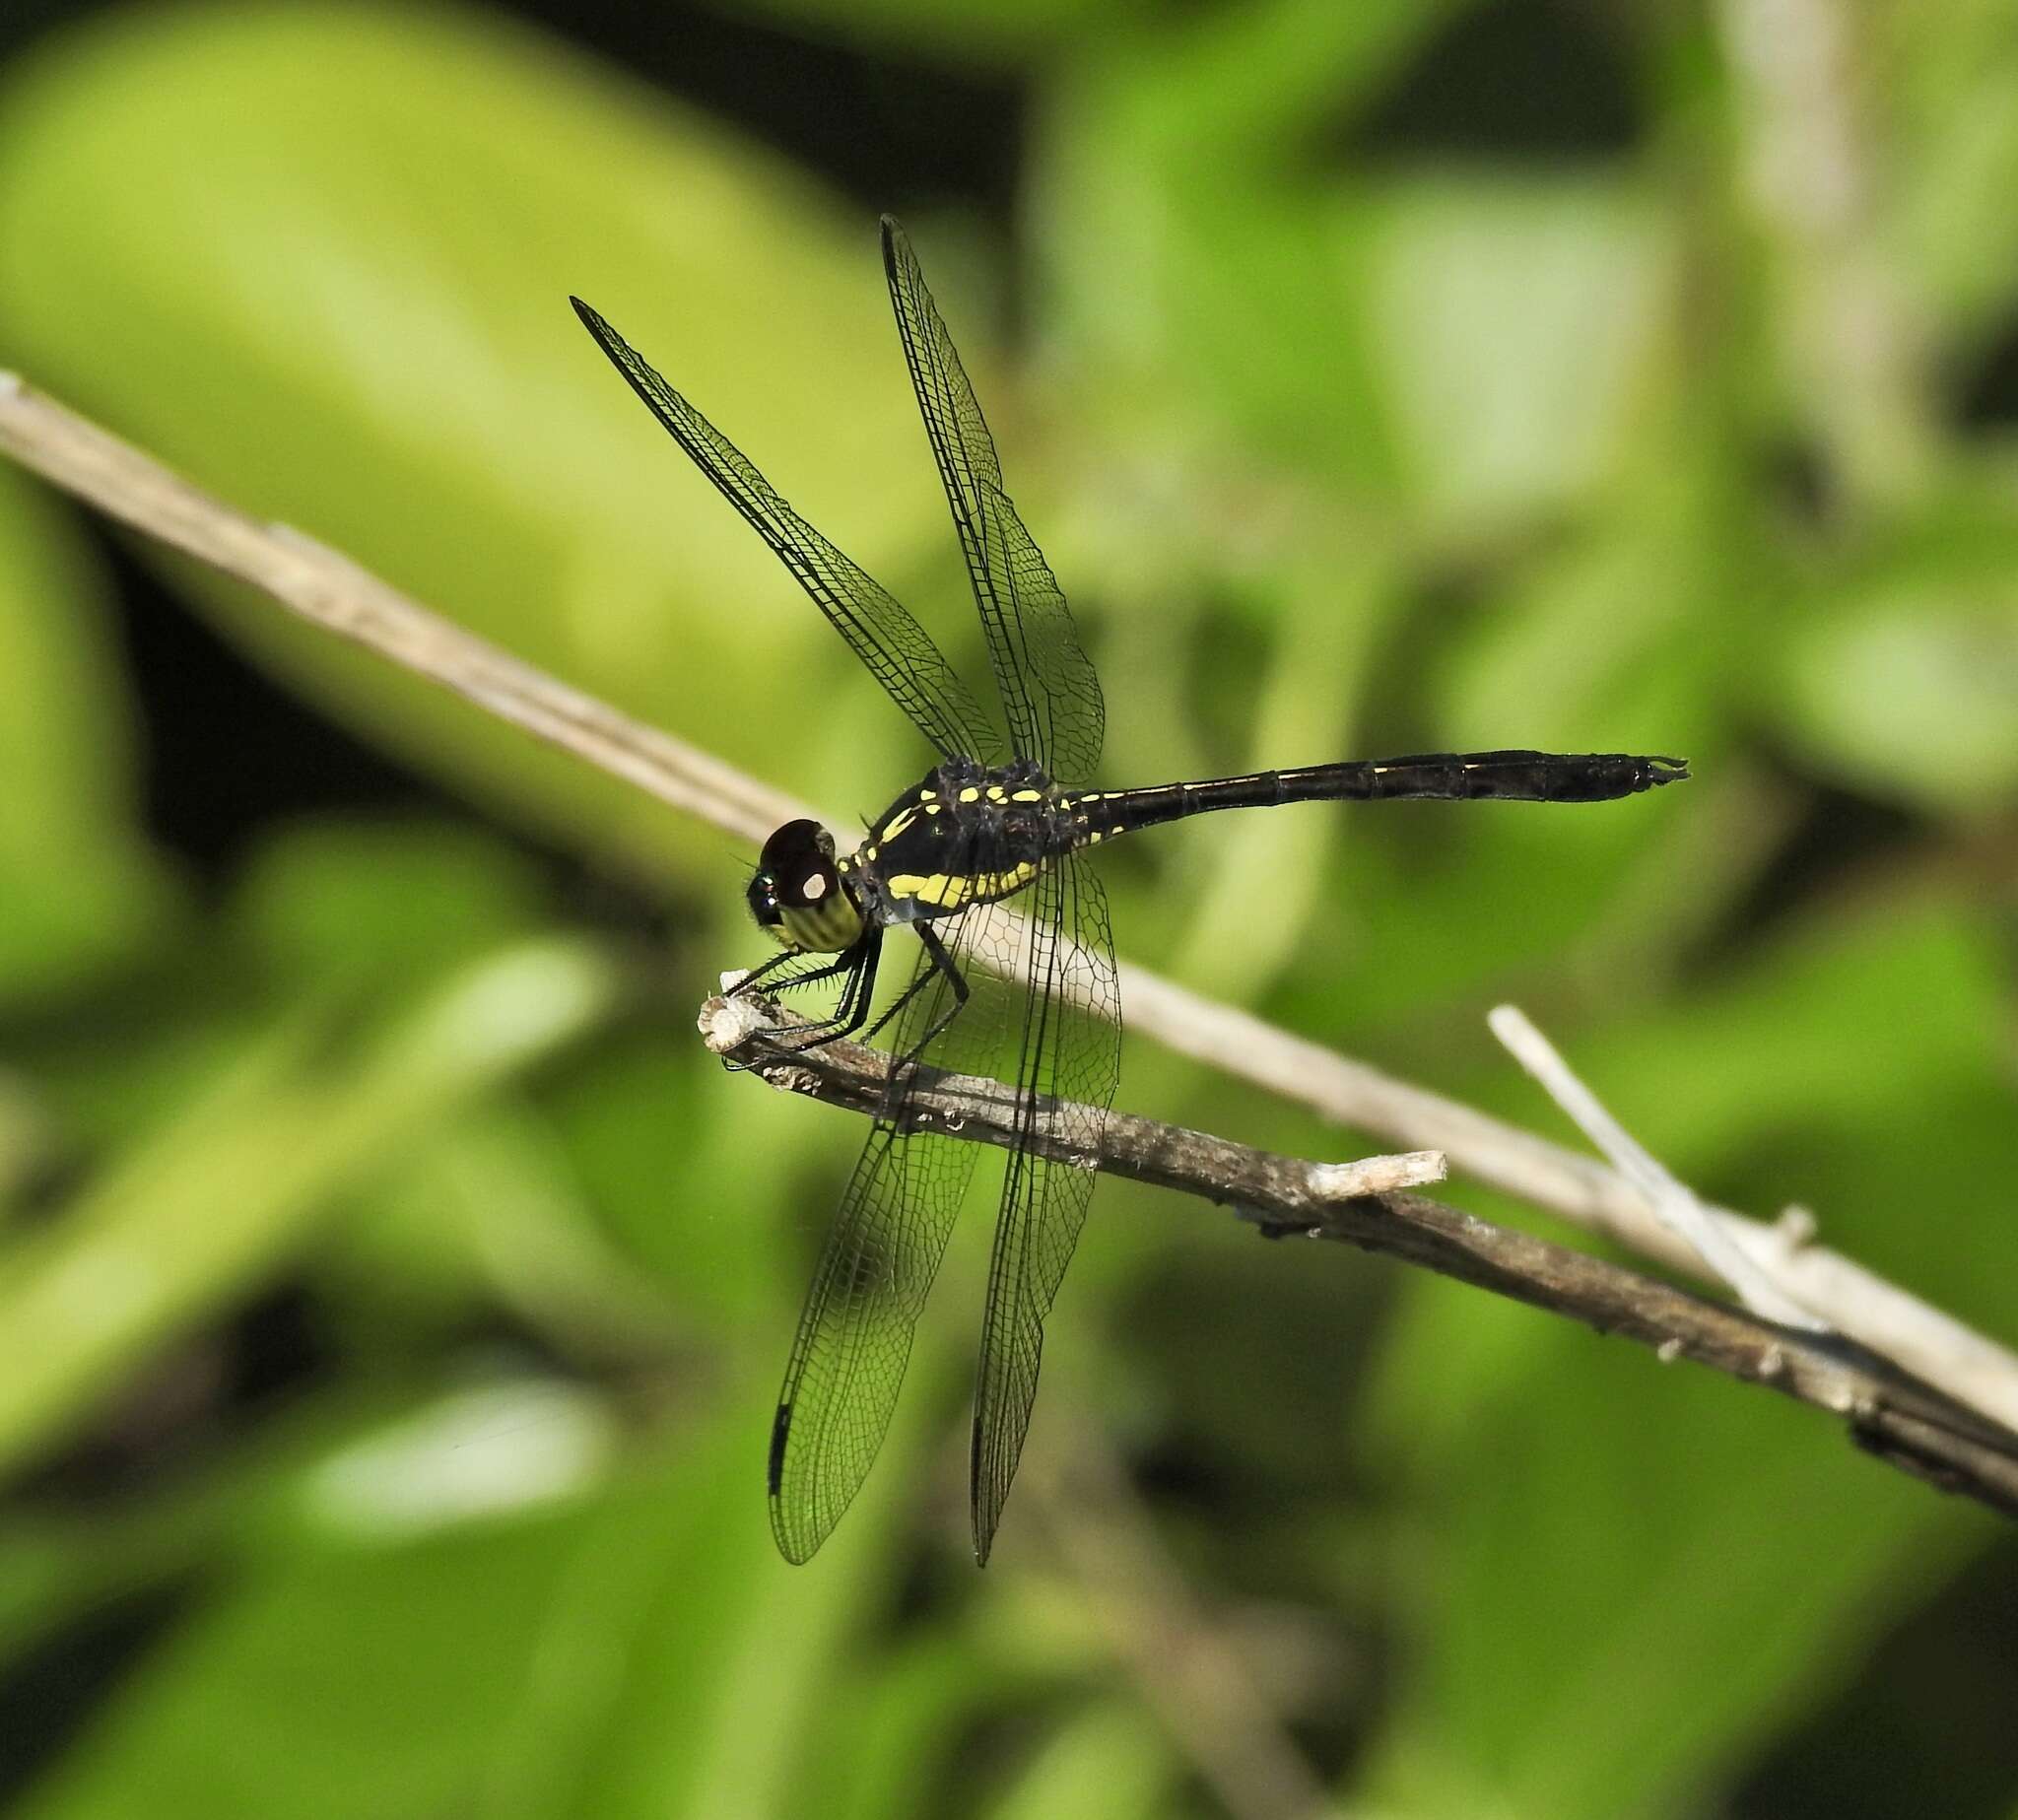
[[798, 864]]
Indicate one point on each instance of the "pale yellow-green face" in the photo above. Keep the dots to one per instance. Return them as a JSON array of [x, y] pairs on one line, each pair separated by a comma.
[[798, 895]]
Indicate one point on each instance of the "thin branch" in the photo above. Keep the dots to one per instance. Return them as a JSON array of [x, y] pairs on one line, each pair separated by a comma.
[[1674, 1204], [1886, 1411], [329, 589], [326, 589]]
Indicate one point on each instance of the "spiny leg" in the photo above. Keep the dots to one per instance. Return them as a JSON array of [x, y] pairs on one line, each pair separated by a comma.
[[859, 963], [956, 983], [943, 967], [777, 961]]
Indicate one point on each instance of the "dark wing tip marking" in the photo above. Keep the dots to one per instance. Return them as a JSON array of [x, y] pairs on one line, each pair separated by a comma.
[[786, 1529], [983, 1530], [781, 1433]]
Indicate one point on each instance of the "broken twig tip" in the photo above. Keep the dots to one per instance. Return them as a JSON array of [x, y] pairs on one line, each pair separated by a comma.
[[726, 1024]]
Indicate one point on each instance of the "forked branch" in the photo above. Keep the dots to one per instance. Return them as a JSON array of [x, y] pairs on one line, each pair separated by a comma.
[[1366, 1203]]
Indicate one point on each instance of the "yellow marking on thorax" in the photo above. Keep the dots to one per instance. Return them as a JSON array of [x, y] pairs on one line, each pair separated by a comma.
[[950, 890]]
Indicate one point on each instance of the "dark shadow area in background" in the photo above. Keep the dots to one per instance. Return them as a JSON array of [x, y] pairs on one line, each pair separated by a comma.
[[893, 132], [1927, 1725], [1982, 387], [1514, 81], [227, 752], [1838, 834], [51, 1691]]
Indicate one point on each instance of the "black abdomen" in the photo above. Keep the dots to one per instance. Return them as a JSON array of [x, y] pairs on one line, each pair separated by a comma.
[[1450, 777]]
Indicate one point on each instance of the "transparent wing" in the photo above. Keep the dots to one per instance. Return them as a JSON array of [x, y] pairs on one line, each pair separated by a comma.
[[1067, 1071], [898, 651], [854, 1337], [1050, 693]]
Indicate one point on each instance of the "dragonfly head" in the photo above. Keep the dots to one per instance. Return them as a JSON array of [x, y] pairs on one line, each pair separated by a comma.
[[799, 895]]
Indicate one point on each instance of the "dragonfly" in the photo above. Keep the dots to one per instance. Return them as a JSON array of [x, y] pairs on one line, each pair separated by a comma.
[[1008, 810]]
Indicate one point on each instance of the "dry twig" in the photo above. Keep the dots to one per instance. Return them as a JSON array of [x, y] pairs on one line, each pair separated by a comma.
[[1887, 1412]]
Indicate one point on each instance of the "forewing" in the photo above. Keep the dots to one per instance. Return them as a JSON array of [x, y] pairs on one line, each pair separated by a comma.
[[1050, 694], [855, 1336], [898, 651], [1069, 1064]]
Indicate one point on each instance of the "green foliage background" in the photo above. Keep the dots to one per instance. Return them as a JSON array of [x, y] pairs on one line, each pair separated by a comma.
[[1692, 443]]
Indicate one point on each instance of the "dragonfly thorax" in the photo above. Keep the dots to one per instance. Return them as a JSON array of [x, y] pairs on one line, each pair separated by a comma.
[[800, 896], [969, 833]]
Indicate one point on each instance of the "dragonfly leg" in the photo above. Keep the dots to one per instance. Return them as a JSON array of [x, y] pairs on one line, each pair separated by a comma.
[[941, 964], [944, 965], [776, 960], [859, 963]]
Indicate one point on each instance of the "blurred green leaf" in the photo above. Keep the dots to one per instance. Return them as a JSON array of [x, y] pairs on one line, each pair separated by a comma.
[[1205, 268], [1901, 678], [1953, 140], [888, 1739], [207, 1209], [80, 886], [1568, 1563], [340, 299], [1104, 1760], [1566, 1551], [487, 1217], [419, 1679], [1514, 330], [344, 907]]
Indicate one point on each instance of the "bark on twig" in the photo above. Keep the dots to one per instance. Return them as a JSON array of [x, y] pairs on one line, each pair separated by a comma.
[[1884, 1411]]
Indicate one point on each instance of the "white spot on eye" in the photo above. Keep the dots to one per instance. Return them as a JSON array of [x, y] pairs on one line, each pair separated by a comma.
[[813, 889]]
